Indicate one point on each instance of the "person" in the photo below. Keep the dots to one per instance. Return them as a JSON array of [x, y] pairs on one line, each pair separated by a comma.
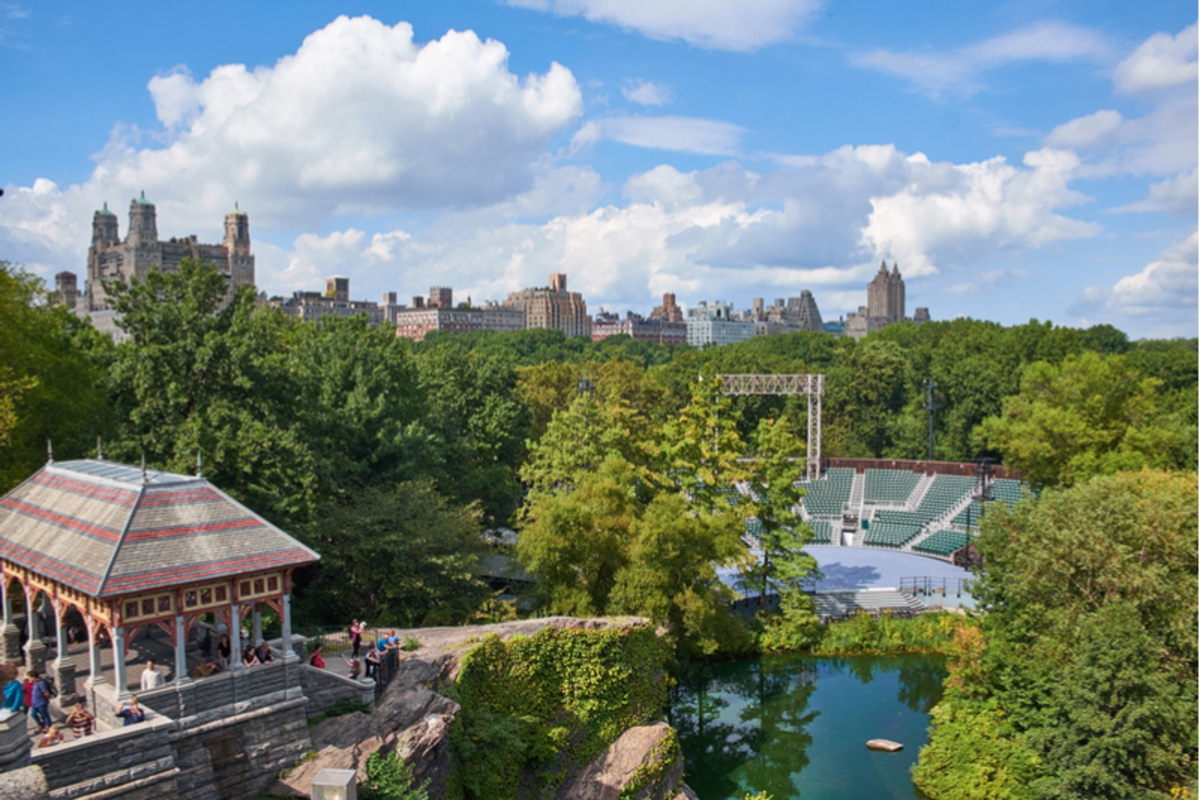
[[316, 659], [206, 645], [224, 650], [356, 632], [52, 737], [354, 665], [131, 712], [14, 692], [40, 703], [151, 677], [27, 688], [248, 658], [80, 721], [373, 659], [263, 654]]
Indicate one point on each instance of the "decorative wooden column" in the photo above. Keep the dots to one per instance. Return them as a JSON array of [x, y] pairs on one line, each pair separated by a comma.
[[119, 677], [235, 637], [181, 675], [10, 648], [95, 674], [256, 628], [64, 667], [286, 620], [35, 650]]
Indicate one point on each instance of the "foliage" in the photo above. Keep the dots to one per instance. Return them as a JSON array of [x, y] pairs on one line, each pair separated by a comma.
[[648, 780], [865, 633], [389, 777], [1081, 681], [542, 703], [1087, 416], [402, 553], [340, 709], [49, 385]]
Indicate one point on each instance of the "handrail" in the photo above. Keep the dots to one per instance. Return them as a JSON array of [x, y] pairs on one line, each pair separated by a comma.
[[926, 586]]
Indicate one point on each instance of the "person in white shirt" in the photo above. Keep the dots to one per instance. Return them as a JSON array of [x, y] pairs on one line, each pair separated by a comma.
[[151, 678]]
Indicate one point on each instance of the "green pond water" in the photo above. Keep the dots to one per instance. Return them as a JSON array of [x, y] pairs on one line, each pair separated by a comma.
[[797, 726]]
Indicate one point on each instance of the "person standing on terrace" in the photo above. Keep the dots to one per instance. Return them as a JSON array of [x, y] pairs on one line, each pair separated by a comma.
[[151, 677]]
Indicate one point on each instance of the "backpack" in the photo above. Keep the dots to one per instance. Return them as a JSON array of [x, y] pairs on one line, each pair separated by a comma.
[[50, 687]]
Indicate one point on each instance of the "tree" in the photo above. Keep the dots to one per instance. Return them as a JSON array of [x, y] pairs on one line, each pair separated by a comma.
[[49, 386], [196, 378], [401, 552], [1090, 415]]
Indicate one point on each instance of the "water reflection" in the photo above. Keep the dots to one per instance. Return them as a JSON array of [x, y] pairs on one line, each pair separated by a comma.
[[750, 725]]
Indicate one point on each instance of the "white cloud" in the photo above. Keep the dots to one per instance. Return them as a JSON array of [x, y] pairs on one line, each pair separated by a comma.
[[957, 71], [646, 93], [1085, 131], [716, 232], [715, 24], [1161, 61], [1176, 195], [680, 134], [1158, 301], [360, 119]]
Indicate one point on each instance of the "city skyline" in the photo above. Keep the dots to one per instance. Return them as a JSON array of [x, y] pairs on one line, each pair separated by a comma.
[[1017, 162]]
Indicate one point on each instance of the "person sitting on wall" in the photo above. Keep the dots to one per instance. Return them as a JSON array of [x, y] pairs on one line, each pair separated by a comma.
[[249, 659], [80, 721], [354, 665], [53, 736], [316, 659], [131, 712], [373, 659], [151, 677], [263, 654]]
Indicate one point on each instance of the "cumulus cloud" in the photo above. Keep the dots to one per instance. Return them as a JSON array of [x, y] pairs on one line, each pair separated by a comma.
[[359, 119], [1176, 195], [646, 93], [1085, 131], [680, 134], [1160, 300], [958, 71], [1161, 61], [714, 232], [715, 24]]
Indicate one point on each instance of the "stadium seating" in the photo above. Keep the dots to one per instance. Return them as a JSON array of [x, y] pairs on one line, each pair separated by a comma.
[[827, 496], [942, 543], [888, 534], [889, 485], [945, 491], [1010, 491], [822, 530]]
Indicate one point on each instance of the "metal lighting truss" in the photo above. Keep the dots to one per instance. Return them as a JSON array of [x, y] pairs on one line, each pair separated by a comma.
[[811, 385]]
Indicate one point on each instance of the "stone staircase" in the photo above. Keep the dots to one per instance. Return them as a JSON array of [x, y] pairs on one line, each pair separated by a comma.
[[844, 603]]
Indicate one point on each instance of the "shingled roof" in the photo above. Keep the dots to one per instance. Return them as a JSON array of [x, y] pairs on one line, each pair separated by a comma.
[[110, 529]]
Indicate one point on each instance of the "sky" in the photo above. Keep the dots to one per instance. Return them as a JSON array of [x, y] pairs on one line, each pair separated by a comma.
[[1016, 159]]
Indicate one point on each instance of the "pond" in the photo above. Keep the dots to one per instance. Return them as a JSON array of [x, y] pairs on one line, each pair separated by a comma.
[[797, 726]]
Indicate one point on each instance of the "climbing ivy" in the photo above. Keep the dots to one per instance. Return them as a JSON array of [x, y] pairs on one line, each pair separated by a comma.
[[654, 770], [532, 708]]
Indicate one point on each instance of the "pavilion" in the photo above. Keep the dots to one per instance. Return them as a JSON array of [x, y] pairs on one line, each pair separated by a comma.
[[127, 548]]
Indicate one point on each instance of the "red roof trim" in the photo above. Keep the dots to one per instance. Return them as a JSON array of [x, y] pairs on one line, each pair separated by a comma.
[[197, 573], [79, 526], [50, 567], [101, 493], [188, 530]]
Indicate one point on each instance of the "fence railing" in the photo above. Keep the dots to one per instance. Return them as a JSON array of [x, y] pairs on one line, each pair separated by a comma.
[[337, 644], [927, 587]]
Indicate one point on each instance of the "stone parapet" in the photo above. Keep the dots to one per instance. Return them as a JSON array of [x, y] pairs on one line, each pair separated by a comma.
[[14, 740], [79, 767], [326, 689]]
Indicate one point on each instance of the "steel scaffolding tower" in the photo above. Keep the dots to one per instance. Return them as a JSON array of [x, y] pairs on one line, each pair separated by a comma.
[[811, 385]]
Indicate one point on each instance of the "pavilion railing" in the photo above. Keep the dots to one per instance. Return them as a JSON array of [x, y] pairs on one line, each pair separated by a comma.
[[336, 645], [927, 587]]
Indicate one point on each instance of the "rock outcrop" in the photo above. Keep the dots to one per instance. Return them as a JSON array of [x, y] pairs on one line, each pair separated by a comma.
[[414, 719], [644, 762]]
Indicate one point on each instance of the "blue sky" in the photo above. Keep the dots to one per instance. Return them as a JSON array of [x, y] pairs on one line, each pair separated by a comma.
[[1017, 159]]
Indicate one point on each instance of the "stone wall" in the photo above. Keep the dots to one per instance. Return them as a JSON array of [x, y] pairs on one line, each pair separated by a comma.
[[236, 686], [325, 689], [238, 757], [138, 759]]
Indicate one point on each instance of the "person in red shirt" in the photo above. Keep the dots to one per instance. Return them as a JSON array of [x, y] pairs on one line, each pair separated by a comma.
[[27, 685], [316, 659]]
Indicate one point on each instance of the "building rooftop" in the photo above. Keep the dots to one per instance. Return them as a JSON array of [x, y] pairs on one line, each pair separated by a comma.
[[110, 529]]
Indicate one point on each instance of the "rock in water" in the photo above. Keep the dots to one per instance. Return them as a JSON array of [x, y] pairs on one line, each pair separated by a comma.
[[886, 745]]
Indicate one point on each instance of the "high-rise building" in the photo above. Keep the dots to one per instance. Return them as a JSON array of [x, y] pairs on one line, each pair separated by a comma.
[[335, 302], [66, 288], [885, 295], [716, 323], [668, 311], [553, 307], [638, 327], [804, 311], [441, 297], [920, 315], [111, 258]]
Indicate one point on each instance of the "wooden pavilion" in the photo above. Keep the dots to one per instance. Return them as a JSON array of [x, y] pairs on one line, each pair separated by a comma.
[[129, 547]]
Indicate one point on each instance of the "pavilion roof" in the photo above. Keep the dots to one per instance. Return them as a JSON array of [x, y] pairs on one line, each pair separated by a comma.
[[110, 529]]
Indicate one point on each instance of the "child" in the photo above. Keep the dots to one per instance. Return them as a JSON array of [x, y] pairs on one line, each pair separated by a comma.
[[52, 737], [354, 665], [80, 721]]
